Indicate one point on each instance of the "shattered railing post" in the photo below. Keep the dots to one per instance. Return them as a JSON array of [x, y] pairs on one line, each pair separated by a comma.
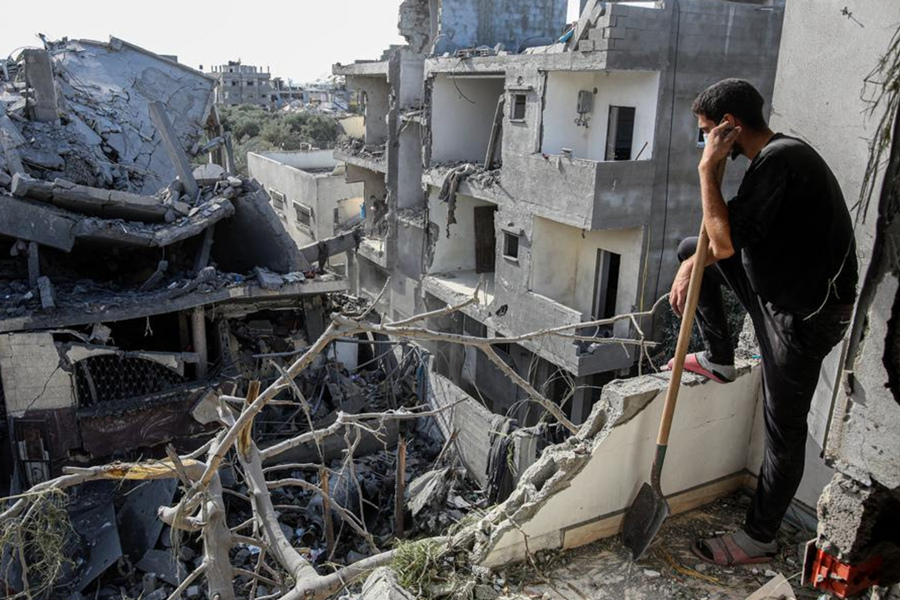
[[176, 153]]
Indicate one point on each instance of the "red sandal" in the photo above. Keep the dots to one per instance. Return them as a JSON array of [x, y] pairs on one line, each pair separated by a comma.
[[692, 364]]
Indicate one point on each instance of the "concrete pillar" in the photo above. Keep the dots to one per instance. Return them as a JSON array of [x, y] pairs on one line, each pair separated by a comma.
[[198, 332], [173, 147], [581, 401], [39, 77]]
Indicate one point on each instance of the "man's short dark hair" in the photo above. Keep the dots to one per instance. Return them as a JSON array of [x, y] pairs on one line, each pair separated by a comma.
[[735, 97]]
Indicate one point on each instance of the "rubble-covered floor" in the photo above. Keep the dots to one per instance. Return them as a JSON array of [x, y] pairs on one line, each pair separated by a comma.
[[604, 570]]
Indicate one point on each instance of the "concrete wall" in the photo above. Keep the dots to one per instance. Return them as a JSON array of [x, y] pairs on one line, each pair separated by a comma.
[[618, 88], [32, 379], [410, 192], [463, 112], [377, 92], [468, 23], [456, 252], [283, 172], [564, 263], [566, 501], [818, 98]]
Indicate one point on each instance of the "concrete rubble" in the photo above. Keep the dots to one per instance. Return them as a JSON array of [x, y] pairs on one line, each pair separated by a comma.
[[148, 290], [143, 282]]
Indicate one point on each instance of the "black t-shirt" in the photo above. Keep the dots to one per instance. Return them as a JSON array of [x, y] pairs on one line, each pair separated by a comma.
[[791, 224]]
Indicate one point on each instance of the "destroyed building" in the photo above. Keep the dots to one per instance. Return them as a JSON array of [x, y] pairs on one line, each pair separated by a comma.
[[130, 296], [309, 193], [137, 312], [551, 167], [237, 83]]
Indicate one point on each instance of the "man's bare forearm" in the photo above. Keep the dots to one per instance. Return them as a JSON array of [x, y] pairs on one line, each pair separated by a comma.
[[715, 211]]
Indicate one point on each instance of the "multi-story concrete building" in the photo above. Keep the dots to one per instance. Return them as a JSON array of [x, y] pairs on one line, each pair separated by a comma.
[[309, 193], [581, 181], [243, 84], [285, 92]]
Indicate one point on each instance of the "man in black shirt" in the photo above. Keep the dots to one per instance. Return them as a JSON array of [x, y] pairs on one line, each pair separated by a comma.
[[785, 245]]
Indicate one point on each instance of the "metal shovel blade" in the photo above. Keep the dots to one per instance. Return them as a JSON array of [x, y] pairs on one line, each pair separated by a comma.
[[643, 520]]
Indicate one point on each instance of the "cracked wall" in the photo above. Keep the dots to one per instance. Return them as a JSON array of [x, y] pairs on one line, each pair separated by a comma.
[[578, 491]]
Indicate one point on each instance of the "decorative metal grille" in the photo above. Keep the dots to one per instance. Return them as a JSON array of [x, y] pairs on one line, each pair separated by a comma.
[[115, 377]]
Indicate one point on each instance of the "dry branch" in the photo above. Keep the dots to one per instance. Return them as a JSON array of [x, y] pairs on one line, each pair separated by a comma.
[[202, 509]]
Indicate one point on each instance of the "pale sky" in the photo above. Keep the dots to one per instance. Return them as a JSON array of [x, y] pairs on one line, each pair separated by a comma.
[[298, 40]]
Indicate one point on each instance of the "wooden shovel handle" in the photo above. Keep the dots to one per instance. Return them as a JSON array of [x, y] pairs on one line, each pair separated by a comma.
[[684, 336]]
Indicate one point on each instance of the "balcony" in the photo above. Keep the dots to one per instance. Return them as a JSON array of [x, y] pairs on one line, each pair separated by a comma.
[[457, 287], [483, 184], [375, 250], [367, 156], [583, 193], [518, 314]]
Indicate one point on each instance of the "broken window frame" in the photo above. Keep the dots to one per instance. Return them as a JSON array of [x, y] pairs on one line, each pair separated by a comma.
[[606, 287], [511, 252], [518, 107], [279, 201], [616, 113], [306, 222]]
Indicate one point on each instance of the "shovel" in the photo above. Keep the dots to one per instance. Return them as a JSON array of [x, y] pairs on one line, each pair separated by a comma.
[[650, 508]]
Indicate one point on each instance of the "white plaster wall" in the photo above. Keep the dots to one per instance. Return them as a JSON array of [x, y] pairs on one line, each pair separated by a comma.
[[32, 379], [456, 253], [564, 263], [463, 110], [817, 97], [314, 159], [354, 126], [322, 193], [710, 440], [614, 88]]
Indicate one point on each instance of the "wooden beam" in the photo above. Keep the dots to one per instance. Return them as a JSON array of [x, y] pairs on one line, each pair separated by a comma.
[[399, 504]]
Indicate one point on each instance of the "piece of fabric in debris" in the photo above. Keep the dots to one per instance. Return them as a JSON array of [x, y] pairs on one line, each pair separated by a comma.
[[450, 187]]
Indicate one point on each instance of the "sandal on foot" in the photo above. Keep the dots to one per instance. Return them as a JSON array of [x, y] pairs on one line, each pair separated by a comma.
[[702, 366], [725, 552]]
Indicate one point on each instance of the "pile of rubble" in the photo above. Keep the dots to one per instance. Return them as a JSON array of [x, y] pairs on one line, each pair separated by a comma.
[[357, 147]]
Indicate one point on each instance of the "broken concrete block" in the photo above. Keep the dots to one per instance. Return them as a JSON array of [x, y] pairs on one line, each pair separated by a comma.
[[208, 174], [382, 585], [39, 77], [36, 223], [268, 280], [427, 490], [90, 200], [850, 517], [173, 147], [48, 295]]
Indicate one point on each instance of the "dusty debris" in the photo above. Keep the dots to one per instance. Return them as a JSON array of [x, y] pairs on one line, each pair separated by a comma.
[[357, 147]]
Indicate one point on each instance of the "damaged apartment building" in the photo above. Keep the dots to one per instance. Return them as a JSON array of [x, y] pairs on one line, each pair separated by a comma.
[[555, 168], [134, 285]]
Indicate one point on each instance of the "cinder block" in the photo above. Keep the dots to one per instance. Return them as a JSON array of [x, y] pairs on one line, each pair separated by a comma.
[[586, 46]]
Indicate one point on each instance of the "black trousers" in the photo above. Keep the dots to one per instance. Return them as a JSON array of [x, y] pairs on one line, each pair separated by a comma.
[[792, 349]]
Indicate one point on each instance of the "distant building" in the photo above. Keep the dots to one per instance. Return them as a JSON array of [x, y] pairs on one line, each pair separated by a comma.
[[285, 92], [243, 84], [309, 193]]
